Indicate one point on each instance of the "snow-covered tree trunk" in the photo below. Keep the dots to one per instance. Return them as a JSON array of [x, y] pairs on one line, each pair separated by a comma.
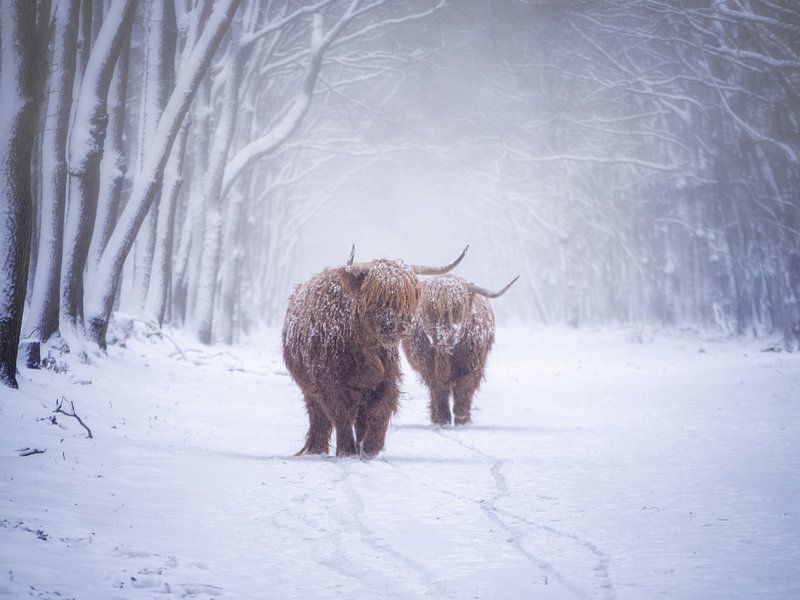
[[231, 253], [42, 320], [161, 274], [18, 82], [114, 162], [84, 46], [188, 260], [85, 151], [157, 75], [148, 179], [190, 228], [221, 141], [231, 266]]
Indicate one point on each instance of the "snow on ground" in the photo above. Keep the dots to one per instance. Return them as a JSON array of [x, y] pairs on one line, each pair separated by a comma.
[[596, 468]]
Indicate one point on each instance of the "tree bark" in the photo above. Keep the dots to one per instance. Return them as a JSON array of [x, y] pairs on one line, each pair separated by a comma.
[[161, 273], [114, 163], [43, 311], [210, 257], [157, 77], [85, 151], [18, 82]]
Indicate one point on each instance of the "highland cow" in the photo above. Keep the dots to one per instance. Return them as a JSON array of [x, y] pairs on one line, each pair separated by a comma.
[[340, 344], [449, 342]]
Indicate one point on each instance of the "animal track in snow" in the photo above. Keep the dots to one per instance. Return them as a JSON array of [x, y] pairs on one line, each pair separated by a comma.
[[425, 576], [159, 574], [496, 514]]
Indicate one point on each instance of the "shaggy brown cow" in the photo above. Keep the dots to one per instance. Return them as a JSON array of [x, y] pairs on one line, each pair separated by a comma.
[[449, 342], [340, 344]]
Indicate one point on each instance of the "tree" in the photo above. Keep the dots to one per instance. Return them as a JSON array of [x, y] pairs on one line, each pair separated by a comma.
[[85, 152], [42, 321], [19, 73], [148, 179]]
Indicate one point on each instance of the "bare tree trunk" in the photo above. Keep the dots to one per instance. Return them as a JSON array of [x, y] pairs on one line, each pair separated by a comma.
[[101, 295], [18, 82], [85, 151], [42, 319]]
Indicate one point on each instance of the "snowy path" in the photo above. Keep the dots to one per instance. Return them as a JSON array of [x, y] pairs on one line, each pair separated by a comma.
[[596, 468]]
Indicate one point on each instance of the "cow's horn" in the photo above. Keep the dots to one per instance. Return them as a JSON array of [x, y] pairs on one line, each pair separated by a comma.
[[357, 268], [423, 270], [484, 292]]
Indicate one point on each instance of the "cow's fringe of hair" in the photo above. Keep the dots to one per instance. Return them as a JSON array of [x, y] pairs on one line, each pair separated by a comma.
[[391, 285], [446, 300]]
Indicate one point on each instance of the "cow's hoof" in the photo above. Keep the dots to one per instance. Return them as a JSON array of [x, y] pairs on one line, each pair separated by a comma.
[[305, 450]]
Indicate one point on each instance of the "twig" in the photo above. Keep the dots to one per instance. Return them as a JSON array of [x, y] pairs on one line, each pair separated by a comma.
[[59, 409], [30, 451]]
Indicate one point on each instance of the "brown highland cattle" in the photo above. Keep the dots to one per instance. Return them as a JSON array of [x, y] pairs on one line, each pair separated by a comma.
[[340, 344], [449, 341]]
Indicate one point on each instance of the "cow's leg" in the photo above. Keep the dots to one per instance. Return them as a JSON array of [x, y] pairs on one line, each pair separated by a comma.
[[319, 429], [344, 417], [362, 421], [440, 405], [373, 419], [345, 440], [463, 390]]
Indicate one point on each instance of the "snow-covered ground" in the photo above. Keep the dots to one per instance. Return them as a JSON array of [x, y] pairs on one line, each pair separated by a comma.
[[596, 468]]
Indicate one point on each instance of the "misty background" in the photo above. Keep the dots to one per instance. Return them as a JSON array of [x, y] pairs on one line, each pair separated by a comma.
[[634, 161]]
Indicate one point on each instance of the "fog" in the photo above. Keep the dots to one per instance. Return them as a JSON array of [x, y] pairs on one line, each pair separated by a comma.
[[608, 152]]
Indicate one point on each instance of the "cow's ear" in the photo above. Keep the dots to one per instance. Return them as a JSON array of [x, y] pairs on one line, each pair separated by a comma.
[[352, 279]]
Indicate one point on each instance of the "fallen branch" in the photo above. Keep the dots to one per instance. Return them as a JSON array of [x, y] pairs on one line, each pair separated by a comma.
[[30, 451], [196, 356], [159, 333], [59, 409]]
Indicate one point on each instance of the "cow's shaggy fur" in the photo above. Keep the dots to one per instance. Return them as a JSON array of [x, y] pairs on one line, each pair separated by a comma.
[[340, 344], [449, 343]]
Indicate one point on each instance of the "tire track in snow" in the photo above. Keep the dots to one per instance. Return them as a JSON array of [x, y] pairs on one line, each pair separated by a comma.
[[426, 577], [495, 513]]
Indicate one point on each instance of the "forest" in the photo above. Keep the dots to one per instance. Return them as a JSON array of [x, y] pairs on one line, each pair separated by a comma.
[[185, 162]]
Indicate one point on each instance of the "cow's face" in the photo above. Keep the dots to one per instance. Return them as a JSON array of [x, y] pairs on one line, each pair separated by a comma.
[[387, 297], [446, 306], [387, 323]]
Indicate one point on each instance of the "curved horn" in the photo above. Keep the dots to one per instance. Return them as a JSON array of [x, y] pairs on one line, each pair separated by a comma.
[[357, 268], [484, 292], [423, 270]]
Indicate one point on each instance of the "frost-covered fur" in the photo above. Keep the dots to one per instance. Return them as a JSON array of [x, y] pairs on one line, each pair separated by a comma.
[[449, 342], [340, 341]]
